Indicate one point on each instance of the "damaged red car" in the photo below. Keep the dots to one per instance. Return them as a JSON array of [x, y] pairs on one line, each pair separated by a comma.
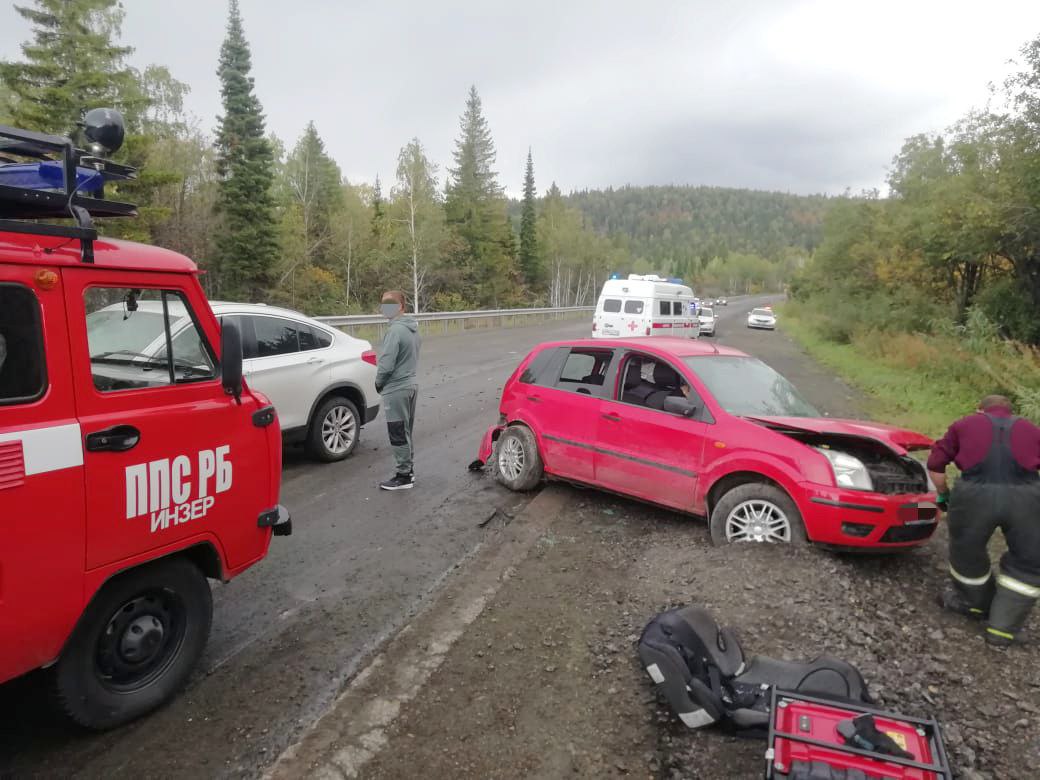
[[712, 432]]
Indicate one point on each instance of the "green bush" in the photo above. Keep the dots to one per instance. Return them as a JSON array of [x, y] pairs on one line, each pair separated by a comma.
[[1008, 306], [923, 380]]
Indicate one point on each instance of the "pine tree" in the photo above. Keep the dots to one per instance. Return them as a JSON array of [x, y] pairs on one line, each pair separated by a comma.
[[530, 260], [315, 194], [476, 210], [378, 212], [247, 247], [72, 64]]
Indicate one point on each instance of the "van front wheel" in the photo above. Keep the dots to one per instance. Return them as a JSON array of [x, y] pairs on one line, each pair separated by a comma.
[[135, 645]]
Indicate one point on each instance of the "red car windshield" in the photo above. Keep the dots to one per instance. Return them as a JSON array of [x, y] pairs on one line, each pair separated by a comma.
[[747, 387]]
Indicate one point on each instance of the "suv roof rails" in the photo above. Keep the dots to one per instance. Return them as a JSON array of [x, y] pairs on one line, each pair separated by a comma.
[[45, 177]]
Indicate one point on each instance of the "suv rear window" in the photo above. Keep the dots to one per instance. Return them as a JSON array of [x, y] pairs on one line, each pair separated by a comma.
[[612, 305], [23, 376], [275, 336], [633, 307], [313, 338]]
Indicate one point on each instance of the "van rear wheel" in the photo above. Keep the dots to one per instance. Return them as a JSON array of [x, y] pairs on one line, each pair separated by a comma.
[[136, 644]]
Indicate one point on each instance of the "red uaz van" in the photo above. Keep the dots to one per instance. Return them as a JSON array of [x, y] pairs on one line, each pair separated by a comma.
[[126, 479]]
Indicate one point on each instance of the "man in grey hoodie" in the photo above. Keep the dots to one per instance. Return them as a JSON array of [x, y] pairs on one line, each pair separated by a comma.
[[395, 381]]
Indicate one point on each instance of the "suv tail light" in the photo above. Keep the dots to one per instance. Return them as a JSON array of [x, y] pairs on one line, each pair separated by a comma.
[[647, 330], [369, 356], [594, 326]]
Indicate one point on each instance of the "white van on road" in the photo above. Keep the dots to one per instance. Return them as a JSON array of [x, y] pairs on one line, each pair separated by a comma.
[[644, 306]]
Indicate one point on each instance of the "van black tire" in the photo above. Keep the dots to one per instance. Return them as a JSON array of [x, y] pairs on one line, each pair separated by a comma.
[[763, 495], [337, 410], [517, 462], [163, 611]]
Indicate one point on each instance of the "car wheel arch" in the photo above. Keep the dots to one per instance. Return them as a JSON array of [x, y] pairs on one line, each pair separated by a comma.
[[724, 483], [521, 422], [346, 390], [204, 555]]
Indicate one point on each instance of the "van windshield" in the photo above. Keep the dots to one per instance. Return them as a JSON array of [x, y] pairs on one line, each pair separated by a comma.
[[633, 307]]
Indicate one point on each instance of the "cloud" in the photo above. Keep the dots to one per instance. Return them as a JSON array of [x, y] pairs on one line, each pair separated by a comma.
[[804, 96]]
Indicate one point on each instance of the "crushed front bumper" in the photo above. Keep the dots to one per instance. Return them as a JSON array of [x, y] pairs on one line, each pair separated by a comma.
[[487, 446], [851, 518]]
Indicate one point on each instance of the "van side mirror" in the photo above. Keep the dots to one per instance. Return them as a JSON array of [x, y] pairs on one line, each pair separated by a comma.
[[683, 406], [231, 359]]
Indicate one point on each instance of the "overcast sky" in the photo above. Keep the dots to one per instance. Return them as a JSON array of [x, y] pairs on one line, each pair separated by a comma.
[[811, 96]]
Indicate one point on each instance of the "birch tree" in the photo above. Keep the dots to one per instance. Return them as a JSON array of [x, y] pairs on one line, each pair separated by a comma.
[[418, 215]]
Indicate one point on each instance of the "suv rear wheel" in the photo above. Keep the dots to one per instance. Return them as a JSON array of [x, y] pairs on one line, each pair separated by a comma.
[[135, 645], [756, 512], [518, 465], [334, 430]]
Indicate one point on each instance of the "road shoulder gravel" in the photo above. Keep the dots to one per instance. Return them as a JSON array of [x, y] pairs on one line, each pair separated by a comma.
[[355, 729]]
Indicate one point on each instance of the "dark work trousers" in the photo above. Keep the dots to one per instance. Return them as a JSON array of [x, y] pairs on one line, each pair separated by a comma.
[[399, 407], [976, 511]]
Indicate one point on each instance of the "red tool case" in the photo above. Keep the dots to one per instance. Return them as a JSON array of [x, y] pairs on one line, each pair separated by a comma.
[[804, 744]]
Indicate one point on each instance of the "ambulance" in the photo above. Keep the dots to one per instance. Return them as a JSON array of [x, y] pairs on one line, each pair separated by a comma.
[[127, 481], [642, 306]]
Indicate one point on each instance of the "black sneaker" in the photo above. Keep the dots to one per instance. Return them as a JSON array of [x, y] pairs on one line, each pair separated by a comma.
[[399, 482], [953, 601]]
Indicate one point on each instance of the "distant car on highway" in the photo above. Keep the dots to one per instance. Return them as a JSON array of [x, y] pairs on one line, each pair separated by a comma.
[[320, 380], [763, 319], [708, 431], [708, 321], [721, 302]]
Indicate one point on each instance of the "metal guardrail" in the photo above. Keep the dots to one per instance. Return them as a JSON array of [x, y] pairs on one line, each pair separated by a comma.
[[443, 316]]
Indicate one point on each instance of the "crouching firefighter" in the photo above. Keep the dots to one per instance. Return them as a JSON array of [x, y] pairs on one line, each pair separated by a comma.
[[998, 455]]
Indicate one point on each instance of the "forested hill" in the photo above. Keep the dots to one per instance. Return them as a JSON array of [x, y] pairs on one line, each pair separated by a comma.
[[674, 225]]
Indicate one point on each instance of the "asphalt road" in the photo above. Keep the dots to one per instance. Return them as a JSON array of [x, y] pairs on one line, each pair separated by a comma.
[[290, 632]]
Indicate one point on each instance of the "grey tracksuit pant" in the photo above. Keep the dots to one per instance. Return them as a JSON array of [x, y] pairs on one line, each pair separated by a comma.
[[399, 408]]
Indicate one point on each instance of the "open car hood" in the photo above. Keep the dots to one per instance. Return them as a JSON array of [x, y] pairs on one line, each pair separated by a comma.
[[899, 439]]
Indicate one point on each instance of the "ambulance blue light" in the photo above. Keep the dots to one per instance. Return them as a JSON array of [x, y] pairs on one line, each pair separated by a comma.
[[615, 275]]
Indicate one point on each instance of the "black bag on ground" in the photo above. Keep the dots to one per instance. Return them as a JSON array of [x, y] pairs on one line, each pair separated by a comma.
[[703, 673]]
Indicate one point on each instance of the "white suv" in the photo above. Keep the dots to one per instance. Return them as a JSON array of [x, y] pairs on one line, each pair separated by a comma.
[[320, 380]]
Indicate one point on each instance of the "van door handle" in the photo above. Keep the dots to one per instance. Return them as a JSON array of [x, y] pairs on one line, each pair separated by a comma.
[[534, 399], [315, 360], [119, 438], [611, 416]]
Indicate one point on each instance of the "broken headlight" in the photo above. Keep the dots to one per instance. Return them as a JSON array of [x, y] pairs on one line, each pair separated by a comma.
[[849, 472]]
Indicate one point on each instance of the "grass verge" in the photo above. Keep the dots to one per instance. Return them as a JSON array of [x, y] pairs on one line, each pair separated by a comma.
[[922, 381]]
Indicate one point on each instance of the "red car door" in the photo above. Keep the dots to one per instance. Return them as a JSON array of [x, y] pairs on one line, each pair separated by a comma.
[[41, 473], [564, 411], [169, 455], [647, 452]]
